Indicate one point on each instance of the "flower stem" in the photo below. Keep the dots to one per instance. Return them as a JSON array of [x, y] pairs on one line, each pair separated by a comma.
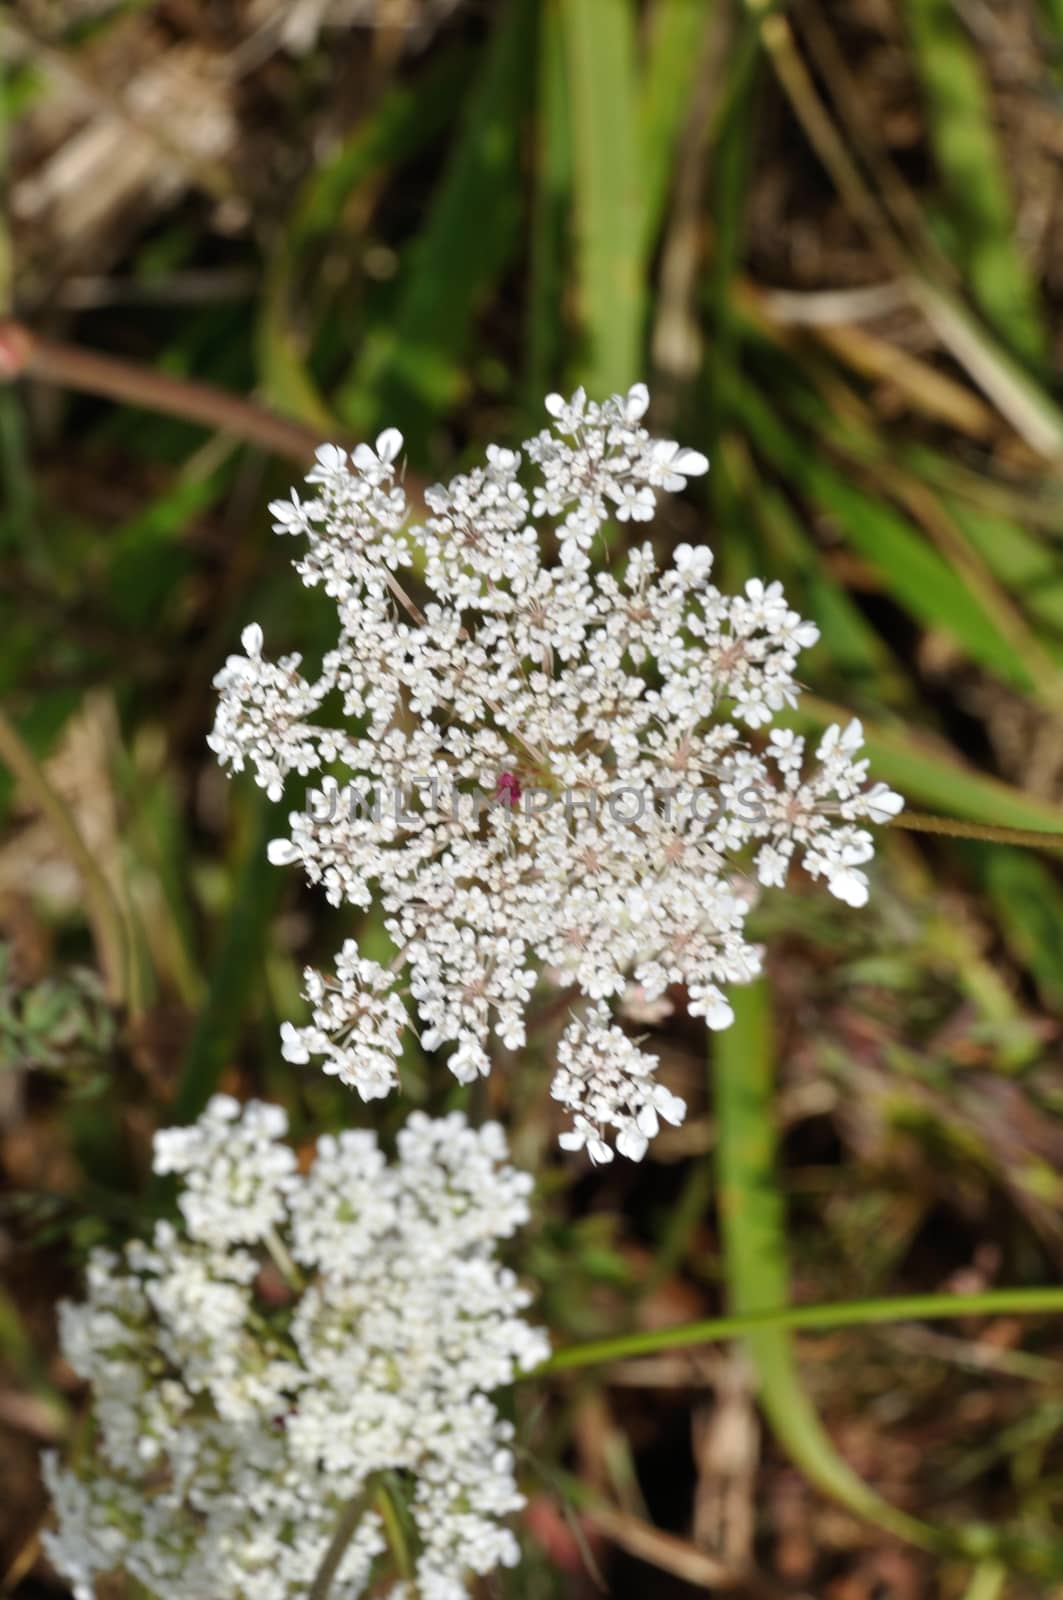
[[25, 354], [282, 1260], [386, 1504], [844, 1314], [953, 828], [350, 1517]]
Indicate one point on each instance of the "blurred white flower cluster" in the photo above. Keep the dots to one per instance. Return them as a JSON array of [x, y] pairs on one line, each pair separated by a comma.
[[233, 1427], [602, 717]]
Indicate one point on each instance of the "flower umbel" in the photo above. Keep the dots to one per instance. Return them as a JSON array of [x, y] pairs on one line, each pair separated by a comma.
[[586, 788], [233, 1426]]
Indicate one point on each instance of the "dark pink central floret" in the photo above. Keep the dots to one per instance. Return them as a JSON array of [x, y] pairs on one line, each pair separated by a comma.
[[508, 789]]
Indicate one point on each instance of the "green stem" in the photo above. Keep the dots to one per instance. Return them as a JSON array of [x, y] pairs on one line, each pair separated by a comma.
[[386, 1502], [282, 1260], [350, 1517], [821, 1318], [953, 828]]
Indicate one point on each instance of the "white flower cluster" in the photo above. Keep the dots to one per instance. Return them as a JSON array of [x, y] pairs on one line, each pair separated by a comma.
[[233, 1427], [578, 791]]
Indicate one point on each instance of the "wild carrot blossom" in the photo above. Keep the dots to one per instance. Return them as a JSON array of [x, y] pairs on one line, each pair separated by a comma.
[[627, 812], [233, 1428]]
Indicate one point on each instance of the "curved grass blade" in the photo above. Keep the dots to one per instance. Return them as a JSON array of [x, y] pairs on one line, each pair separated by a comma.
[[1026, 404], [754, 1252], [755, 1268], [997, 570]]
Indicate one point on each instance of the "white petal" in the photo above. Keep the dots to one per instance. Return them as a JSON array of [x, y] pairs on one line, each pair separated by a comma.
[[719, 1015], [691, 463], [638, 398], [292, 1047], [632, 1144], [883, 803], [281, 852], [850, 886], [648, 1123], [388, 444], [251, 639]]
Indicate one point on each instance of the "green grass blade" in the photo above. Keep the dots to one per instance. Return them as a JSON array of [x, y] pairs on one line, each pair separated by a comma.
[[1029, 567], [970, 163], [1028, 902], [923, 772], [732, 159], [910, 569], [676, 36], [848, 645], [1007, 572], [752, 1222], [599, 42], [755, 1265], [412, 369], [553, 176], [1047, 1300], [404, 120]]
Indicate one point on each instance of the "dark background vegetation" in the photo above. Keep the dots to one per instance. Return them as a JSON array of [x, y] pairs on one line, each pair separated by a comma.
[[829, 236]]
